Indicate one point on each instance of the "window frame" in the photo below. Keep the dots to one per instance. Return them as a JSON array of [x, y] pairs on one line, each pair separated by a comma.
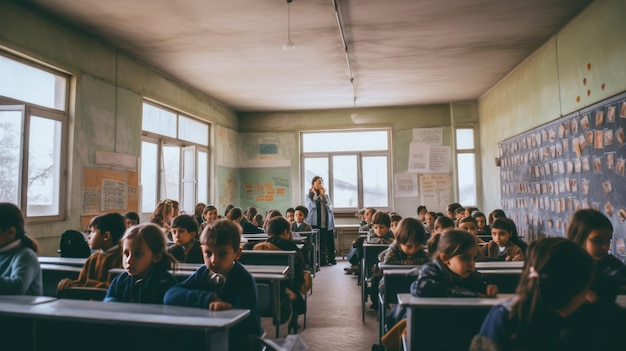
[[163, 140], [30, 110], [329, 183]]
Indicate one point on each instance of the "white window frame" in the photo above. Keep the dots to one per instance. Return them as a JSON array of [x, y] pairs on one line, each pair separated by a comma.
[[329, 183], [30, 110], [185, 146]]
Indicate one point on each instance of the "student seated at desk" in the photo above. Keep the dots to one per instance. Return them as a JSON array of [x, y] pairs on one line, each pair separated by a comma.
[[20, 273], [222, 283], [279, 239], [379, 234], [186, 248], [502, 245], [548, 311], [146, 261], [408, 249], [299, 225], [593, 232], [106, 232]]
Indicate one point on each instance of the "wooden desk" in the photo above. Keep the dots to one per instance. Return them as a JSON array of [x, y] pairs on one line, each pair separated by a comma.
[[426, 316], [94, 325]]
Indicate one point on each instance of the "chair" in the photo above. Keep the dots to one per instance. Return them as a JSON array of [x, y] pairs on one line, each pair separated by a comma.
[[82, 293]]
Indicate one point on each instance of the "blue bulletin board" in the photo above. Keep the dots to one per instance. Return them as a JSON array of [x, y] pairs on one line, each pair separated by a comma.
[[575, 162]]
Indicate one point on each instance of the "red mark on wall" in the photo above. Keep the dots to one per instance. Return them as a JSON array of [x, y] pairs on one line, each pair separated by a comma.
[[588, 92], [588, 66], [584, 81], [603, 86]]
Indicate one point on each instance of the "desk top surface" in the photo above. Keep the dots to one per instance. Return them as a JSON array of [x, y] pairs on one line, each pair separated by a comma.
[[428, 302], [133, 313], [59, 267], [79, 262], [500, 265], [23, 300]]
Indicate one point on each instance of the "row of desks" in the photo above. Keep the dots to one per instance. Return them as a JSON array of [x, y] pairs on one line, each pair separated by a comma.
[[45, 323]]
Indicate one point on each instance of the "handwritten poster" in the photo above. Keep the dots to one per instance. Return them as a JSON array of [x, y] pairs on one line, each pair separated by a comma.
[[434, 190], [406, 185], [432, 136], [418, 158], [113, 195], [439, 159]]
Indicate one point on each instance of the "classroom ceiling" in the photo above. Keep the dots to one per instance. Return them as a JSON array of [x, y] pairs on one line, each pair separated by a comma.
[[401, 52]]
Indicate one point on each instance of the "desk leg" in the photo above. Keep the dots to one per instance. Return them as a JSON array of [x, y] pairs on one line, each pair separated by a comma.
[[409, 331], [216, 340], [276, 289]]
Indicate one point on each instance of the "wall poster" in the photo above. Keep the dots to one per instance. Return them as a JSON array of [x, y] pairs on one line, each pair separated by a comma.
[[575, 162]]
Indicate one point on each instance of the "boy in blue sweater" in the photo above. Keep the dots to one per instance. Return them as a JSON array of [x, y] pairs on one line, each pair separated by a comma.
[[222, 283]]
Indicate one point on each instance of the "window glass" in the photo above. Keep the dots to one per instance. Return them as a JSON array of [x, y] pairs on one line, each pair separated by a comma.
[[203, 177], [33, 85], [375, 182], [44, 167], [464, 139], [345, 192], [192, 130], [315, 166], [10, 157], [345, 141], [158, 120], [149, 171], [467, 178], [171, 172]]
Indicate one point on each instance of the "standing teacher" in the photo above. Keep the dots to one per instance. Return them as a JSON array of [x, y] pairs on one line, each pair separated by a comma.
[[321, 217]]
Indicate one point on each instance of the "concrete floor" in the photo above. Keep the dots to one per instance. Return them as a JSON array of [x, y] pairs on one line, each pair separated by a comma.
[[334, 314]]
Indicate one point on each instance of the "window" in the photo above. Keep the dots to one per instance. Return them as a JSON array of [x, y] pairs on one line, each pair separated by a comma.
[[174, 159], [355, 166], [466, 166], [33, 124]]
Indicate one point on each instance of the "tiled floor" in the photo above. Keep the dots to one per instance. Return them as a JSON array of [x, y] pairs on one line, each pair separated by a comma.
[[334, 314]]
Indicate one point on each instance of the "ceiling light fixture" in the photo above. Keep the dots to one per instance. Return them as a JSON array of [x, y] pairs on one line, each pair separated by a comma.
[[354, 116], [289, 45]]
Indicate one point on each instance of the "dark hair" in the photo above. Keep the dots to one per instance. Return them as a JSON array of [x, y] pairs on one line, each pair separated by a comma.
[[303, 209], [444, 222], [410, 230], [315, 180], [466, 220], [381, 218], [153, 236], [583, 222], [199, 209], [221, 232], [228, 208], [451, 243], [459, 210], [453, 206], [258, 219], [561, 269], [208, 208], [476, 214], [133, 216], [185, 221], [509, 225], [433, 214], [234, 213], [498, 213], [11, 216], [251, 212], [277, 226], [290, 209], [419, 208], [394, 218], [111, 222]]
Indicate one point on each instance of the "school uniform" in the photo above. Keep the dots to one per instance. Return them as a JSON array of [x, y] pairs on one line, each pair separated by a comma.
[[238, 289], [589, 328], [437, 280], [125, 288], [610, 279], [301, 227], [95, 272], [510, 250], [395, 255], [20, 273], [190, 253]]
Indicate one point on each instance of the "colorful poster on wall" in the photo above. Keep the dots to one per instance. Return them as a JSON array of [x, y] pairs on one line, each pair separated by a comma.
[[265, 188]]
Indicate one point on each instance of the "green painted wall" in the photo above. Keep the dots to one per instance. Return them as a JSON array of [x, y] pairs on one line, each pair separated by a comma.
[[108, 88], [545, 86]]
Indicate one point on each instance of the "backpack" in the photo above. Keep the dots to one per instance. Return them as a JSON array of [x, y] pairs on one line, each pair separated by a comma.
[[74, 245]]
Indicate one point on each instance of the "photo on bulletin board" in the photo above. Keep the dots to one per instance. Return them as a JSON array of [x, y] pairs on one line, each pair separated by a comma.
[[572, 163]]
